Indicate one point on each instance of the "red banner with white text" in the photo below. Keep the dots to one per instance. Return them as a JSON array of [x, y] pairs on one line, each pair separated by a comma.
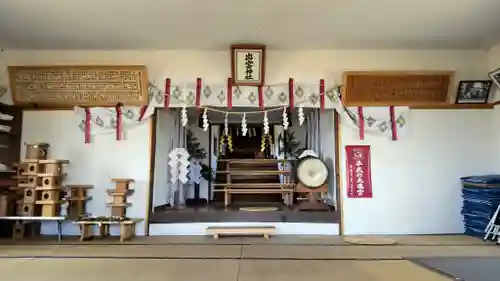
[[359, 178]]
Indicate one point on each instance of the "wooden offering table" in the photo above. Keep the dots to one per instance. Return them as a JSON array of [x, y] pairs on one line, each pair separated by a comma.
[[127, 227]]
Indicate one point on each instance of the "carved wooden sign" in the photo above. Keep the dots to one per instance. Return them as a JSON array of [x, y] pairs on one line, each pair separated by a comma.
[[68, 86], [372, 88]]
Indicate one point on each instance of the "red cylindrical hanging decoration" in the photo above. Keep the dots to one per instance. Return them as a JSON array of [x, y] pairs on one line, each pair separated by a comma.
[[394, 128], [166, 100], [361, 123], [88, 119], [198, 92], [291, 92], [118, 121], [142, 112], [322, 94], [229, 93], [261, 97]]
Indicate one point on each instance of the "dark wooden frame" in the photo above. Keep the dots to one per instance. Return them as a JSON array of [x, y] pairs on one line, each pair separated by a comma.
[[457, 97], [153, 124], [261, 48]]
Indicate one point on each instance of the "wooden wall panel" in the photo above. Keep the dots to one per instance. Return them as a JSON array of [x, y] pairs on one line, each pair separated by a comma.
[[68, 86], [375, 88]]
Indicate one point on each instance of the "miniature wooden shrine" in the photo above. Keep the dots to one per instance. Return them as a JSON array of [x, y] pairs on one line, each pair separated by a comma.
[[119, 196]]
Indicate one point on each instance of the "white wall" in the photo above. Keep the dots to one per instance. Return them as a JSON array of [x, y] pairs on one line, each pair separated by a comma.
[[493, 64], [94, 163], [415, 180]]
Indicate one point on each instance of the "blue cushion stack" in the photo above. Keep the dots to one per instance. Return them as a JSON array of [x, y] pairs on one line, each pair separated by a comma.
[[481, 196]]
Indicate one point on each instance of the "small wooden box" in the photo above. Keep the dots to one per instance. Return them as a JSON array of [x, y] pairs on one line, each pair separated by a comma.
[[53, 167], [29, 195], [51, 210], [37, 151], [28, 209], [51, 181], [21, 169]]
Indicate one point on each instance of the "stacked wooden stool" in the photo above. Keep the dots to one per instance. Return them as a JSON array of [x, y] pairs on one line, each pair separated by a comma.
[[119, 196], [77, 198]]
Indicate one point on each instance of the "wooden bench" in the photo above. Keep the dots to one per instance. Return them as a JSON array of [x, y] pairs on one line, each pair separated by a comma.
[[286, 189], [127, 228], [244, 230]]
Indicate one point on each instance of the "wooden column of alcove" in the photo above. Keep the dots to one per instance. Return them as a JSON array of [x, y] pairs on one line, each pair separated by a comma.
[[119, 195]]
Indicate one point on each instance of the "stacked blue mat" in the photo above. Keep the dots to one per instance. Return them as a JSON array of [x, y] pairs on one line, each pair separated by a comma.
[[481, 196]]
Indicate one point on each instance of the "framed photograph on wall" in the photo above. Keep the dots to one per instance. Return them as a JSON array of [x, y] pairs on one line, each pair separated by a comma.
[[495, 77], [248, 65], [473, 91]]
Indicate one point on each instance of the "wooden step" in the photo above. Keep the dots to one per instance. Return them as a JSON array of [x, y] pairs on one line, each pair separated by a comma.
[[244, 230], [251, 161], [256, 191], [253, 173], [254, 185], [248, 179]]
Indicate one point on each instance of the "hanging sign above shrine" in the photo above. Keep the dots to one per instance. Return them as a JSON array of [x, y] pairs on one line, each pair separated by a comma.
[[248, 65], [68, 86], [374, 88]]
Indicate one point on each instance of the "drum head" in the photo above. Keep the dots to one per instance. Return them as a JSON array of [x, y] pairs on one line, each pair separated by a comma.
[[312, 172]]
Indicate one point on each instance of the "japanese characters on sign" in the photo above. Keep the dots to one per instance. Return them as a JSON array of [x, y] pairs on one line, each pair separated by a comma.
[[68, 86], [378, 88], [359, 183], [248, 65]]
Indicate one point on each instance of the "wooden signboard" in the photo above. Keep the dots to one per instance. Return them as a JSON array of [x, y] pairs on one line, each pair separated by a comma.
[[68, 86], [373, 88]]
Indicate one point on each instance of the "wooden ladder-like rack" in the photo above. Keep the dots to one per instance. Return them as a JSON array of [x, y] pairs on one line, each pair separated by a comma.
[[247, 169]]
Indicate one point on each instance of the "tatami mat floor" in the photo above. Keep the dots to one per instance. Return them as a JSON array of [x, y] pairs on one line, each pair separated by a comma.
[[199, 258], [409, 240]]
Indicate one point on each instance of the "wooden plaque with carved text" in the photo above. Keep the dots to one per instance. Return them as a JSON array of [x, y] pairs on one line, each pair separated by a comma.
[[374, 88], [69, 86]]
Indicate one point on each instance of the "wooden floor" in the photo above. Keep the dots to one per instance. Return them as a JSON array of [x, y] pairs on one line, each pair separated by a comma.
[[217, 213], [199, 258]]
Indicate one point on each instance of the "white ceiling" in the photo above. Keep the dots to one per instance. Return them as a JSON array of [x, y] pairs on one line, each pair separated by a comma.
[[280, 24]]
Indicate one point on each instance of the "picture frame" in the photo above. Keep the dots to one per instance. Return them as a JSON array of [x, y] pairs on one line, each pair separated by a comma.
[[248, 64], [473, 91], [495, 77]]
